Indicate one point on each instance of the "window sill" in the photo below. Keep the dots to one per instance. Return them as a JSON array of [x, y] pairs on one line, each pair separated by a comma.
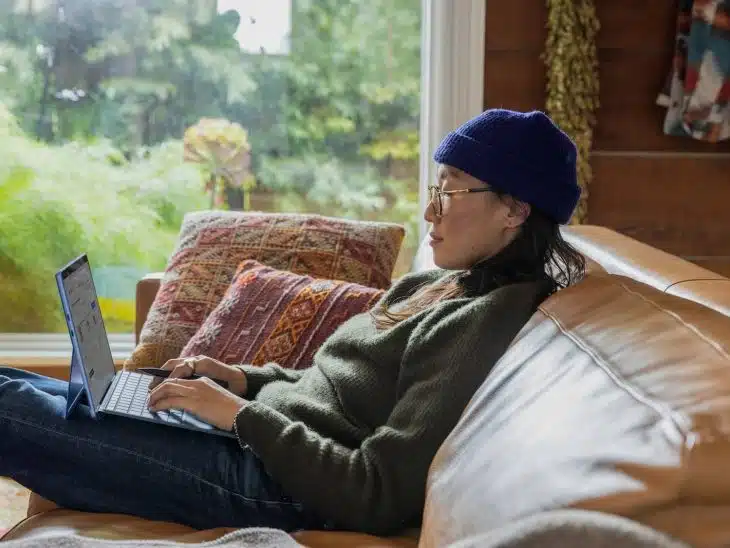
[[52, 350]]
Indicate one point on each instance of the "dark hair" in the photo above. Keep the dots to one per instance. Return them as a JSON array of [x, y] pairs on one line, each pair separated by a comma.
[[537, 252]]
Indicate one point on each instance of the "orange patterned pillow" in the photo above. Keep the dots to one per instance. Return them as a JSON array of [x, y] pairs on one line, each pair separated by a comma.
[[270, 315], [213, 244]]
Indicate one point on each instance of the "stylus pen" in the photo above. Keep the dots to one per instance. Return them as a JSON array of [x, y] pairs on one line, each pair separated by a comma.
[[155, 372]]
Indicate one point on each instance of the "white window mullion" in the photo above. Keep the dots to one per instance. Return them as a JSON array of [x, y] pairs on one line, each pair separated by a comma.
[[452, 76]]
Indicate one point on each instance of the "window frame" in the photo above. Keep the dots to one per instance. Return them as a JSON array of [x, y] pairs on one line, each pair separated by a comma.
[[452, 77]]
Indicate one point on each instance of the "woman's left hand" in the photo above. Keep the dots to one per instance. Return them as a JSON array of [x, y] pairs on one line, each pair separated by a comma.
[[202, 397]]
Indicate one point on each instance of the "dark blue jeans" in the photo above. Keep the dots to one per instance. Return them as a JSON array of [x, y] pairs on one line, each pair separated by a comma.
[[127, 466]]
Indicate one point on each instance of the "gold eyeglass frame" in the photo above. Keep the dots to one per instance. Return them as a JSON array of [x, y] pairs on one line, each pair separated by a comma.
[[435, 196]]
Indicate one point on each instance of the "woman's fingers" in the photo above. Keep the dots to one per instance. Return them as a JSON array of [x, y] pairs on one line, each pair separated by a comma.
[[207, 367], [201, 397], [172, 402], [173, 363], [177, 368], [183, 370], [169, 365], [170, 388]]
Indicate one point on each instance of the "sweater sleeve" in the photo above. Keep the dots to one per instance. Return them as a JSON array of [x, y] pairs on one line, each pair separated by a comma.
[[379, 487], [259, 376]]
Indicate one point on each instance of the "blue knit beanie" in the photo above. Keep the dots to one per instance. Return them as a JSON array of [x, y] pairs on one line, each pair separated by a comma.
[[522, 154]]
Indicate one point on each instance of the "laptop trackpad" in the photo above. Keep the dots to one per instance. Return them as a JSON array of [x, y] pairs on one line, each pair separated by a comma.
[[178, 416]]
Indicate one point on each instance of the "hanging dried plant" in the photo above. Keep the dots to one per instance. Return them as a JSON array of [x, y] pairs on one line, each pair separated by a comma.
[[573, 81]]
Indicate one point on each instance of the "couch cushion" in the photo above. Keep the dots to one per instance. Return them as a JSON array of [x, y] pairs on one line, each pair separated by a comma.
[[213, 244], [615, 397], [293, 315]]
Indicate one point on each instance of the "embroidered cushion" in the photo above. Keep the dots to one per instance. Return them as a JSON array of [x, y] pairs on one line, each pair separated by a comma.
[[270, 315], [212, 245]]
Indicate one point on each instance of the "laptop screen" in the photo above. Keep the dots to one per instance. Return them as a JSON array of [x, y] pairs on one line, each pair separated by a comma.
[[88, 326]]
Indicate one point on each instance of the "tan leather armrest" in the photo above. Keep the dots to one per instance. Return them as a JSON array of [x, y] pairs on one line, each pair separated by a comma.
[[619, 254], [341, 539], [147, 289], [713, 294]]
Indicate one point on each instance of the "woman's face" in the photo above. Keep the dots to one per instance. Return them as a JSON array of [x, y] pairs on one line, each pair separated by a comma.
[[472, 226]]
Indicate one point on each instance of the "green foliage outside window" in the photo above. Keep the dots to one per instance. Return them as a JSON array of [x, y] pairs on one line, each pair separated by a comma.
[[95, 97]]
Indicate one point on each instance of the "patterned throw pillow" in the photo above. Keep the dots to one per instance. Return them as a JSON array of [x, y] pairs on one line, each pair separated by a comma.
[[212, 244], [270, 315]]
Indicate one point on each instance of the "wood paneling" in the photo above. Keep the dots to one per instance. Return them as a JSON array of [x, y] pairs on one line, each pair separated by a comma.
[[635, 51], [514, 79], [628, 118], [645, 185], [645, 26], [678, 204], [721, 265]]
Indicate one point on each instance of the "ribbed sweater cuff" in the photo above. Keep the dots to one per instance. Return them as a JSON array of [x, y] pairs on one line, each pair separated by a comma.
[[256, 378], [259, 426]]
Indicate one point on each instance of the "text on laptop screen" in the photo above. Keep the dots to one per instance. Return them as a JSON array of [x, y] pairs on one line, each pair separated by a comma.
[[89, 329]]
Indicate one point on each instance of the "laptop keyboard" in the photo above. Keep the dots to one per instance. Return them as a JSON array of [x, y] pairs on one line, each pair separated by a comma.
[[131, 395]]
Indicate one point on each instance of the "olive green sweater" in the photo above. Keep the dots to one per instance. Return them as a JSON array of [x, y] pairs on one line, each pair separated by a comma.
[[352, 437]]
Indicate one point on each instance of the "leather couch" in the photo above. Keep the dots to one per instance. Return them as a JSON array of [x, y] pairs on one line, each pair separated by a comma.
[[615, 397]]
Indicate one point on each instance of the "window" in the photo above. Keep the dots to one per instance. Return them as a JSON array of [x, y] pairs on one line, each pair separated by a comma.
[[96, 97], [265, 27]]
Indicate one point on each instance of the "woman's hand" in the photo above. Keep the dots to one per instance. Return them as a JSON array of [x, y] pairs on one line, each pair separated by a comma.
[[205, 367], [203, 398]]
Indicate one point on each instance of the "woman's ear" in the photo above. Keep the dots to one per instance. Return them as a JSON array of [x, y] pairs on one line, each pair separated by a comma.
[[517, 213]]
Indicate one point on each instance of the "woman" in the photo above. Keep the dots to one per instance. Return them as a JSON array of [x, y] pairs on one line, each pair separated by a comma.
[[346, 443]]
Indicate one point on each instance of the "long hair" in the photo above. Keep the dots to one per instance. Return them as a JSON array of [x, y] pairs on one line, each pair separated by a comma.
[[537, 252]]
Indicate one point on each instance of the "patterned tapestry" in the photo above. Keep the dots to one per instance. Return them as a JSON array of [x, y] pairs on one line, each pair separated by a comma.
[[213, 244], [697, 91], [270, 315]]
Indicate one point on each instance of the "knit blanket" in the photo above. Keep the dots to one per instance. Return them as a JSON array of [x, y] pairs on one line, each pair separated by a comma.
[[568, 529], [252, 537], [697, 91], [555, 529]]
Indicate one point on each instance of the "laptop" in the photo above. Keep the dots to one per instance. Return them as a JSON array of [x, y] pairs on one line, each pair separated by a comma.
[[93, 377]]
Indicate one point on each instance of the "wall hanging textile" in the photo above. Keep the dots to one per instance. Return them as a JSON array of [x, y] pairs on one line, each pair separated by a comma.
[[697, 91]]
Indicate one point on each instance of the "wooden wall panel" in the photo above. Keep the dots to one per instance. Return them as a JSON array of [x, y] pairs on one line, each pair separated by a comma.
[[667, 191], [625, 24], [677, 203], [721, 265], [635, 52], [628, 118]]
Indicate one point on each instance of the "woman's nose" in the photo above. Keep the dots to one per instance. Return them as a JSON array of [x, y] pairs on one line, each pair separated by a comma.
[[429, 215]]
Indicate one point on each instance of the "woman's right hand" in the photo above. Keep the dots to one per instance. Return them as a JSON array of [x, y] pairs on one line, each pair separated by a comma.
[[206, 367]]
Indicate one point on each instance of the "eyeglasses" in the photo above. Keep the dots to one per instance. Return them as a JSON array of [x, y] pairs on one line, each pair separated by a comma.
[[436, 196]]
